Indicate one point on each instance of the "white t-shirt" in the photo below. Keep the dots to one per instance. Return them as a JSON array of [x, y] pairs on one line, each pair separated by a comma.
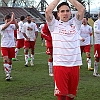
[[29, 29], [85, 32], [19, 31], [66, 42], [97, 31], [7, 36]]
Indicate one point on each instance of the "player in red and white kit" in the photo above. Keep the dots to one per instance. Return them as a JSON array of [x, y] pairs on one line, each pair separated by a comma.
[[20, 37], [66, 47], [30, 33], [49, 49], [48, 41], [96, 46], [8, 43], [86, 33], [41, 26]]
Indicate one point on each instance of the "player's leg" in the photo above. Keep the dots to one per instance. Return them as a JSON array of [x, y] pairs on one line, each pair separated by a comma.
[[97, 58], [61, 78], [60, 97], [50, 64], [26, 56], [16, 53], [88, 56], [26, 50], [73, 82], [68, 98], [96, 67], [32, 57], [19, 44], [8, 54], [89, 61], [32, 53]]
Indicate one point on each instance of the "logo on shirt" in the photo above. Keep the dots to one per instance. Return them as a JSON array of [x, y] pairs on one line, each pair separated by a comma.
[[67, 32]]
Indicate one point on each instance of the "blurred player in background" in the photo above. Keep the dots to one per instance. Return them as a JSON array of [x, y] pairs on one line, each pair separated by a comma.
[[20, 37], [30, 33], [86, 33], [41, 26], [96, 45], [48, 41]]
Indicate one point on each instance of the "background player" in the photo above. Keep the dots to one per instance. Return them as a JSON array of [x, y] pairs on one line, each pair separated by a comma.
[[20, 37], [8, 43], [41, 26], [30, 33], [96, 45], [86, 33]]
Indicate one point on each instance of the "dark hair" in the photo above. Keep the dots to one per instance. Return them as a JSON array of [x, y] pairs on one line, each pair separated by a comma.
[[61, 4], [7, 17], [55, 14], [28, 15], [22, 18], [86, 18]]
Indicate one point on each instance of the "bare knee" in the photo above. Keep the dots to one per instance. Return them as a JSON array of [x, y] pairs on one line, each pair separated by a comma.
[[71, 96]]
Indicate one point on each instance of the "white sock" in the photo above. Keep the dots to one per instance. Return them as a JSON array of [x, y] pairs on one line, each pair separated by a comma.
[[7, 68], [95, 67], [26, 58], [50, 67], [89, 62], [16, 52], [32, 58], [28, 55]]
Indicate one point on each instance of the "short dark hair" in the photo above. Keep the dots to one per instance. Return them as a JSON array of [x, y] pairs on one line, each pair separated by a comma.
[[55, 15], [61, 4], [22, 18], [86, 18], [7, 17], [28, 15]]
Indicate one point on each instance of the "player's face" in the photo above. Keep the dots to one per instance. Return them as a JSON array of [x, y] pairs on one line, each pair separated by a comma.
[[28, 19], [84, 21], [7, 20], [64, 13]]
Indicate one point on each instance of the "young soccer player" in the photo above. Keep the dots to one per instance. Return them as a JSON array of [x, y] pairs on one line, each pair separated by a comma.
[[8, 43], [66, 47]]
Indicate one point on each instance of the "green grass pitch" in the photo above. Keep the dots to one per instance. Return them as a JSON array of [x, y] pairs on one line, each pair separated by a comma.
[[34, 83]]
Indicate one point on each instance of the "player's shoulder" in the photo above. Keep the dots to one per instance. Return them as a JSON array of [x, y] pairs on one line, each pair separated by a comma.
[[97, 21], [89, 26]]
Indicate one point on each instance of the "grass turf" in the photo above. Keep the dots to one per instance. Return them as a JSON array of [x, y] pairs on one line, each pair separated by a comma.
[[34, 83]]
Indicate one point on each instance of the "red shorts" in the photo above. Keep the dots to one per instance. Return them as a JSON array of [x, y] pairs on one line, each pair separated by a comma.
[[29, 44], [66, 80], [20, 43], [97, 50], [85, 48], [49, 51], [10, 52]]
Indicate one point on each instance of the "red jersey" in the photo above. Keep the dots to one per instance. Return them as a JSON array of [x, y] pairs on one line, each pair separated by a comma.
[[47, 36]]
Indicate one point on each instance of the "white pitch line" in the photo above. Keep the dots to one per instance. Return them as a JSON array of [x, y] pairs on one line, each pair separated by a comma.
[[35, 54]]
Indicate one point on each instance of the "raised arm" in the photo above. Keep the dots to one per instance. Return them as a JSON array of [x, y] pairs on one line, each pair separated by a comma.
[[49, 10], [79, 7]]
